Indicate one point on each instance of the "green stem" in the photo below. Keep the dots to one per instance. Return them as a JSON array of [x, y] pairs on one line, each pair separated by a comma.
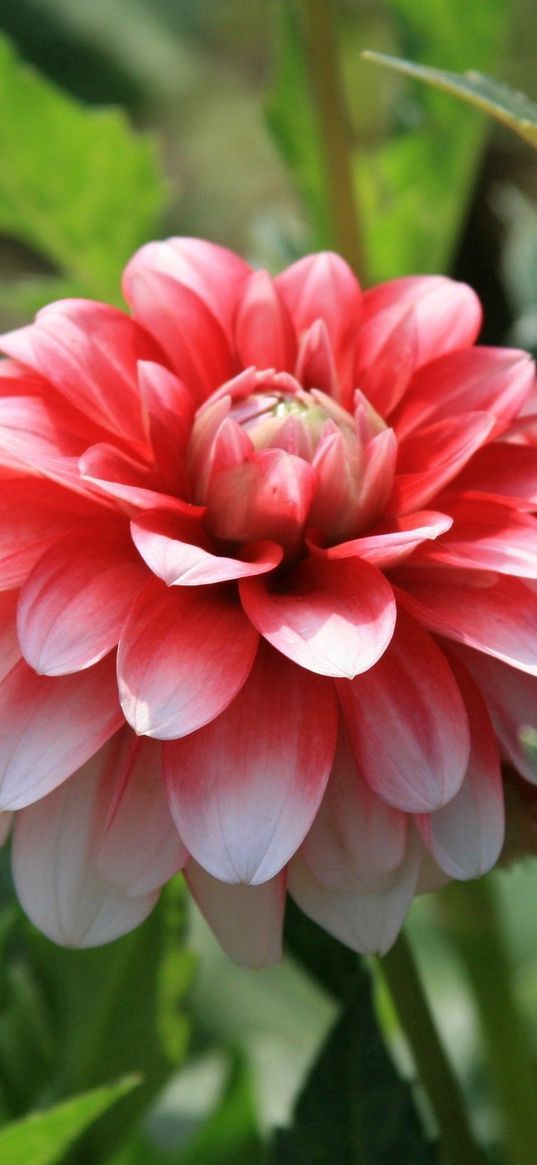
[[457, 1144], [470, 915], [327, 88]]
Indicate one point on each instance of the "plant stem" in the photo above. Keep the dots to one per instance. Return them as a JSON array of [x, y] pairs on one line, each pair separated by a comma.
[[457, 1144], [327, 88], [470, 914]]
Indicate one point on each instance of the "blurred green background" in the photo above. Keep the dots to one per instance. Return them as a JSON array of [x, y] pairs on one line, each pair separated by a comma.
[[233, 156]]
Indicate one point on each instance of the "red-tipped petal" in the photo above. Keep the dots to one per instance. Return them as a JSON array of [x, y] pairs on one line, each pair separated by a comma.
[[163, 540], [407, 723], [486, 536], [466, 835], [447, 314], [334, 618], [75, 601], [432, 457], [244, 790], [51, 727], [55, 874], [389, 547], [35, 512], [183, 656], [264, 334], [495, 614]]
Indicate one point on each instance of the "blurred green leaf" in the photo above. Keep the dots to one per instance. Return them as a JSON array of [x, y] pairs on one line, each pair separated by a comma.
[[415, 166], [291, 119], [229, 1134], [511, 108], [43, 1137], [76, 184], [354, 1109]]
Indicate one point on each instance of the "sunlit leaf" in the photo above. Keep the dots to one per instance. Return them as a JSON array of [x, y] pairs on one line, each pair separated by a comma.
[[513, 109], [76, 184], [44, 1137]]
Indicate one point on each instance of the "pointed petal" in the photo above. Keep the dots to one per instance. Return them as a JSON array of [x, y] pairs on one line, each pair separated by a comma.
[[323, 287], [33, 514], [386, 356], [166, 543], [139, 848], [215, 274], [432, 457], [51, 727], [245, 789], [487, 536], [506, 472], [466, 835], [367, 923], [264, 334], [183, 656], [511, 698], [407, 723], [56, 879], [335, 618], [495, 614], [89, 352], [315, 363], [113, 474], [357, 842], [266, 497], [170, 412], [447, 314], [387, 548], [185, 329], [75, 601], [246, 920], [494, 380]]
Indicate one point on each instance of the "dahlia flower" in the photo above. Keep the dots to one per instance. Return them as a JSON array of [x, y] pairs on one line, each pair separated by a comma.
[[269, 608]]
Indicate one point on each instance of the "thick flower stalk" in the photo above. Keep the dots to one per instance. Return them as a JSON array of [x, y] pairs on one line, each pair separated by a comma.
[[269, 611]]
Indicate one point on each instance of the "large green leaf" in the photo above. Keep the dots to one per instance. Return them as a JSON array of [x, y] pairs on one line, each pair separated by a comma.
[[44, 1137], [355, 1108], [76, 184], [513, 109]]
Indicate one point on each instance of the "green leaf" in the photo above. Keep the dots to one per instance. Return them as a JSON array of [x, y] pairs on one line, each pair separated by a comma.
[[43, 1137], [511, 108], [229, 1134], [528, 738], [76, 184], [291, 119], [354, 1108]]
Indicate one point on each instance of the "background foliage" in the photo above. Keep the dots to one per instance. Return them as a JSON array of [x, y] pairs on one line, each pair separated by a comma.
[[123, 121]]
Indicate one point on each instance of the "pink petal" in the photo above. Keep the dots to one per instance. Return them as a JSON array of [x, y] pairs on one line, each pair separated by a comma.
[[139, 847], [511, 700], [185, 328], [497, 615], [89, 352], [163, 540], [44, 437], [10, 653], [490, 380], [183, 656], [55, 875], [113, 474], [246, 920], [315, 364], [334, 618], [357, 841], [447, 314], [264, 334], [266, 497], [368, 923], [489, 536], [407, 723], [466, 835], [323, 287], [433, 456], [170, 413], [215, 274], [393, 546], [386, 357], [507, 472], [244, 790], [51, 727], [33, 514], [75, 601]]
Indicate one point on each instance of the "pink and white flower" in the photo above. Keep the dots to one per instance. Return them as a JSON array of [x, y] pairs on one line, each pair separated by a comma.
[[268, 593]]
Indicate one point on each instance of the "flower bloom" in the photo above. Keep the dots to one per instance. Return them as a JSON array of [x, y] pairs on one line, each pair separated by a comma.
[[269, 605]]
